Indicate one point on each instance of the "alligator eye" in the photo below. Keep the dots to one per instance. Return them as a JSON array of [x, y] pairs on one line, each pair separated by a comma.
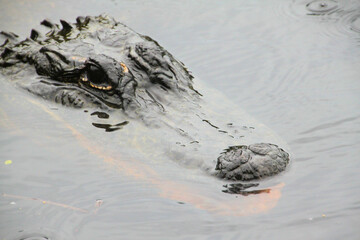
[[95, 75], [96, 78]]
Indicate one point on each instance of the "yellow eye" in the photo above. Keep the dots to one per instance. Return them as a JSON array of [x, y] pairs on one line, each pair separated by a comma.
[[125, 69], [96, 78]]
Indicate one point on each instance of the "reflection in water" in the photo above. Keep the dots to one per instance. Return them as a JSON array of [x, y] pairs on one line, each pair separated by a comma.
[[172, 189], [240, 188], [44, 202]]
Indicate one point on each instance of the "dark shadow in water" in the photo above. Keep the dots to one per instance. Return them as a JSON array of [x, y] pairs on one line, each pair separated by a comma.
[[101, 115], [207, 121], [110, 127], [240, 188]]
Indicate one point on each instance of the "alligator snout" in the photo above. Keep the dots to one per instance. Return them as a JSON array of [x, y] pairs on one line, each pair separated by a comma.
[[251, 162]]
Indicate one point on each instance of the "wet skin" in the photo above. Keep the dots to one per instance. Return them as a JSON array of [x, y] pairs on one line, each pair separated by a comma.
[[140, 76]]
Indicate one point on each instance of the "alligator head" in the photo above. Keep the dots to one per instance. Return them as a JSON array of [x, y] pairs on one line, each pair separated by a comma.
[[100, 62], [96, 61]]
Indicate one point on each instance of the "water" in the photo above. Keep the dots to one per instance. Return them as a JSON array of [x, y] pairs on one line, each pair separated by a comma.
[[291, 64]]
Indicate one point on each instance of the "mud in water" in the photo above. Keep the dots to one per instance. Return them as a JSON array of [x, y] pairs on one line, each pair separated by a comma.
[[293, 65]]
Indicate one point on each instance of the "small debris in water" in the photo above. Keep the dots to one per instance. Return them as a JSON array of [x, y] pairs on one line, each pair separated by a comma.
[[12, 203], [8, 162], [98, 203], [323, 4]]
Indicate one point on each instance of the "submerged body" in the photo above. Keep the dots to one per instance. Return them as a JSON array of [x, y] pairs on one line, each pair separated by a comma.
[[100, 63]]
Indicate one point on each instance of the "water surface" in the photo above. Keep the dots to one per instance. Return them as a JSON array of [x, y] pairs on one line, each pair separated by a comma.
[[292, 64]]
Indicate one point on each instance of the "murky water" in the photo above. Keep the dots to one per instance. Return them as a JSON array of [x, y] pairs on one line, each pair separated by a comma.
[[292, 64]]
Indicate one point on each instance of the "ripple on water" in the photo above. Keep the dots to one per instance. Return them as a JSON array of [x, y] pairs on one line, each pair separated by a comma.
[[38, 234], [322, 6], [336, 18], [35, 238], [299, 8], [355, 23]]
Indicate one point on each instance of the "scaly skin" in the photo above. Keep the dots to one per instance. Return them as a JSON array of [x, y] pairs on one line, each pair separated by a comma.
[[98, 62]]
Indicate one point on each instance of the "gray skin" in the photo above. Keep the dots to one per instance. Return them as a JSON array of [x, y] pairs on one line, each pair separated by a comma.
[[140, 76]]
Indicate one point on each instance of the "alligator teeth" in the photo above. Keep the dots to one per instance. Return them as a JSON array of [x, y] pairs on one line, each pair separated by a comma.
[[101, 87], [124, 67]]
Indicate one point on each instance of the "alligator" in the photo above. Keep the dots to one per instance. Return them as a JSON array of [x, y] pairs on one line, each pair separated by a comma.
[[99, 63]]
